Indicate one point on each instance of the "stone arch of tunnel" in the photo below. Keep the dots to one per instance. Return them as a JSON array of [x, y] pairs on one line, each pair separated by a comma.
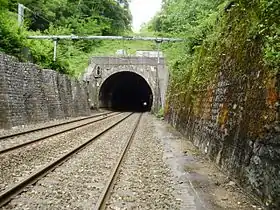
[[126, 91]]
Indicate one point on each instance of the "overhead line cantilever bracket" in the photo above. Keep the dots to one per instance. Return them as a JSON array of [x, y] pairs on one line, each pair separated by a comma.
[[71, 37], [158, 40], [128, 37]]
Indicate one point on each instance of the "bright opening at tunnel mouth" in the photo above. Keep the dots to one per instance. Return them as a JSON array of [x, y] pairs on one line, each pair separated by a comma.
[[126, 91]]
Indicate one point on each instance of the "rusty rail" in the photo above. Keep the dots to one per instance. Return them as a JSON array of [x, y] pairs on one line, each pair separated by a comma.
[[104, 197], [8, 194]]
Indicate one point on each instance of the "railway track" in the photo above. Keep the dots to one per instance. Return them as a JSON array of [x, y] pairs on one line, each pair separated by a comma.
[[50, 126], [29, 142], [105, 195], [17, 188]]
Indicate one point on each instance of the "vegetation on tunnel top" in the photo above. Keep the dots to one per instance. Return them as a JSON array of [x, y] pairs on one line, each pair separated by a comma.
[[57, 17], [216, 33]]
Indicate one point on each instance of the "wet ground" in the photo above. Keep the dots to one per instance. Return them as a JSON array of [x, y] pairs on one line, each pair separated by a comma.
[[196, 178]]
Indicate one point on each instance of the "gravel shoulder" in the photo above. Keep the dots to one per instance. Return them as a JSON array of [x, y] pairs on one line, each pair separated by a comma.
[[163, 170], [193, 172]]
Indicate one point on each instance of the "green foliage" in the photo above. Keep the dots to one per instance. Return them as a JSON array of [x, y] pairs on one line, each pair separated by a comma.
[[227, 43], [194, 21], [57, 17], [242, 34], [114, 14], [160, 113], [3, 4], [11, 40], [179, 17], [270, 28], [109, 47]]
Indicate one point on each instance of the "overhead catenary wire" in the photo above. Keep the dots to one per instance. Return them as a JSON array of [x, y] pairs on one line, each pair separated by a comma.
[[132, 38], [55, 38]]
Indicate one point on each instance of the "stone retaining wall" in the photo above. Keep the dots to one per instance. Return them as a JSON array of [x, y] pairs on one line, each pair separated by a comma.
[[236, 123], [29, 94]]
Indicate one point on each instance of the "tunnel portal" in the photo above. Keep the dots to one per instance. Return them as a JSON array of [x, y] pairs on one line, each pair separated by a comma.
[[126, 91]]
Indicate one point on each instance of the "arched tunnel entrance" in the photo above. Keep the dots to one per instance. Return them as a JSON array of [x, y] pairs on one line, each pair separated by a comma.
[[126, 91]]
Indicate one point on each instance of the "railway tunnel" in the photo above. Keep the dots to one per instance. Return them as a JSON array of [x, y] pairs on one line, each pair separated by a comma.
[[126, 91]]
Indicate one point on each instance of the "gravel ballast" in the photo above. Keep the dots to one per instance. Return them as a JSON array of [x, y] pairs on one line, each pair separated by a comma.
[[162, 170], [23, 128], [77, 183], [145, 181], [13, 141], [17, 164]]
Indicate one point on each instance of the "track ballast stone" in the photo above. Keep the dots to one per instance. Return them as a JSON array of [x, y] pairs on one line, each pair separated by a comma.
[[23, 128], [145, 181], [77, 183], [162, 170], [18, 164], [10, 142]]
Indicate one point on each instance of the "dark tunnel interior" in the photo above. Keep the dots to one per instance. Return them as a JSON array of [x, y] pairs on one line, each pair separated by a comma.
[[126, 91]]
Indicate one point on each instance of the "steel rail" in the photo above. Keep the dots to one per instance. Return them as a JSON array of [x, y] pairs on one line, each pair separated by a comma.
[[53, 134], [50, 126], [104, 197], [8, 194]]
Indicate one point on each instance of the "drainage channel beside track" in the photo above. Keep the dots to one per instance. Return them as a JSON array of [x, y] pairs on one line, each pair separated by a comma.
[[18, 140], [11, 192]]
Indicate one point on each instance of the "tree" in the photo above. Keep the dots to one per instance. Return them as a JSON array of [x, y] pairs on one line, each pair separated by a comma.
[[70, 12]]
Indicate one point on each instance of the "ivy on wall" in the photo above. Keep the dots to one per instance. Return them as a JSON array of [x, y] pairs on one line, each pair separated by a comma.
[[216, 34]]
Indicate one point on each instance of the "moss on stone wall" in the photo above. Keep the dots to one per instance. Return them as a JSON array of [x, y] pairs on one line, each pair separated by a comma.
[[225, 95]]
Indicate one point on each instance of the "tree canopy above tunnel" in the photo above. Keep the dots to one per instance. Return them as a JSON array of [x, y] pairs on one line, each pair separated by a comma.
[[57, 17], [112, 16]]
